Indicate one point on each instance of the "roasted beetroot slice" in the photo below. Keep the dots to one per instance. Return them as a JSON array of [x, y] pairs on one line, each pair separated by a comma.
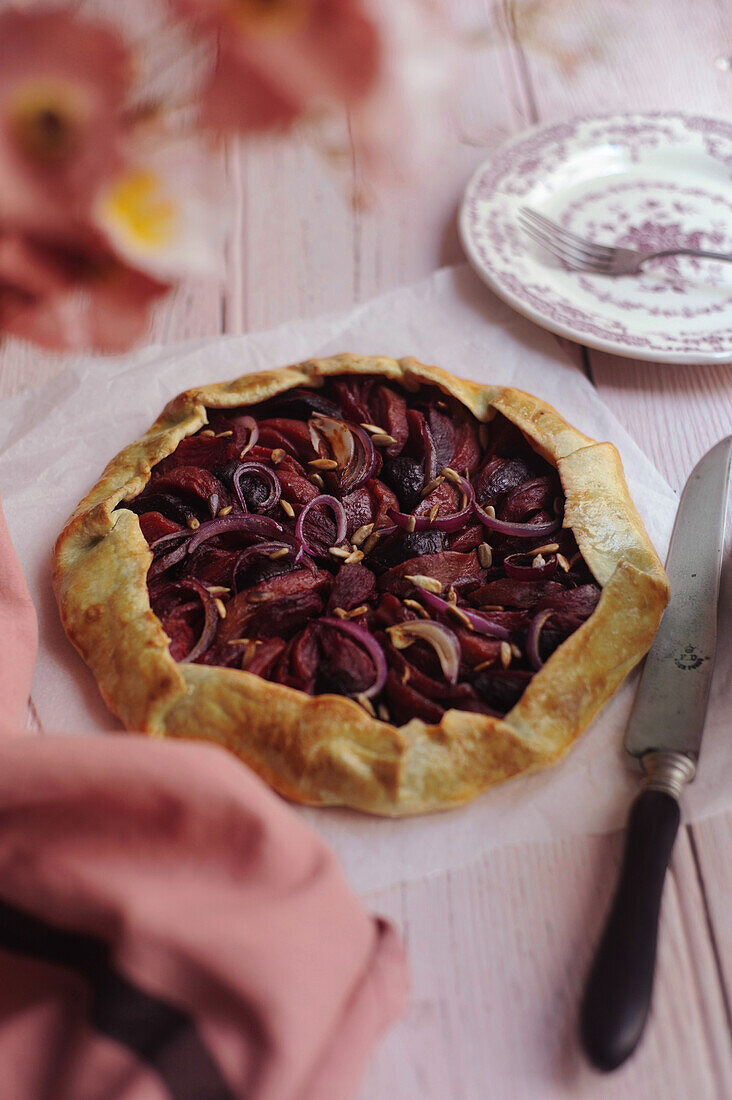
[[570, 607], [467, 452], [154, 526], [501, 689], [382, 499], [203, 451], [345, 668], [291, 436], [460, 571], [514, 594], [411, 673], [468, 539], [276, 606], [264, 657], [359, 509], [352, 395], [283, 673], [195, 485], [499, 476], [390, 413], [445, 497], [391, 611], [296, 489], [299, 403], [476, 649], [168, 505], [405, 703], [282, 617], [305, 654], [464, 697], [354, 585], [443, 435], [272, 595], [181, 631], [533, 496]]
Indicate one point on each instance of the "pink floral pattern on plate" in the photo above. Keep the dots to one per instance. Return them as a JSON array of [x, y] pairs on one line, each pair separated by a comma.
[[649, 181]]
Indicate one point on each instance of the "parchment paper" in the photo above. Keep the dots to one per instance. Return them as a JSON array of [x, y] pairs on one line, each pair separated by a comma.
[[54, 443]]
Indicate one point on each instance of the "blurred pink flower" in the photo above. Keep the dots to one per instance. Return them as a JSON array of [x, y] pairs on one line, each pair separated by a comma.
[[399, 127], [63, 86], [278, 59], [72, 297]]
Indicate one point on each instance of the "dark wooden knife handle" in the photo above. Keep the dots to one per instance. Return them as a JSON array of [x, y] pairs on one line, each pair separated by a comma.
[[619, 988]]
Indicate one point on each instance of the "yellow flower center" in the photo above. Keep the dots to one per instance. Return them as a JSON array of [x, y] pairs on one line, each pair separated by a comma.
[[136, 207], [45, 117], [269, 17]]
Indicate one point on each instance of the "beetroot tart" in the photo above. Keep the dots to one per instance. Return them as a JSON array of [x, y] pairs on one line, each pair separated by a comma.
[[379, 585]]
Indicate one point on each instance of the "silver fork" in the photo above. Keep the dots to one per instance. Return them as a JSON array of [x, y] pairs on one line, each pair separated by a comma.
[[579, 254]]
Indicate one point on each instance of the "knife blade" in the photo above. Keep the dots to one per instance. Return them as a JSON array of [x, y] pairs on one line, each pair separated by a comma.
[[669, 710], [664, 735]]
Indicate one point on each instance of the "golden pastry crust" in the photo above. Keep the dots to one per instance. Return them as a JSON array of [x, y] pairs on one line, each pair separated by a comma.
[[326, 749]]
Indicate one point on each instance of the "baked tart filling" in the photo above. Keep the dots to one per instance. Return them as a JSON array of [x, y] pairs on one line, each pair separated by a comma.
[[366, 540]]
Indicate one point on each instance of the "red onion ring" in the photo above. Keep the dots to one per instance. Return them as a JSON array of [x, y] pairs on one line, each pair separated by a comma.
[[364, 462], [351, 447], [478, 623], [339, 436], [430, 451], [533, 637], [443, 640], [210, 618], [162, 560], [259, 526], [166, 540], [367, 642], [253, 428], [440, 523], [517, 530], [340, 517], [519, 572], [267, 475]]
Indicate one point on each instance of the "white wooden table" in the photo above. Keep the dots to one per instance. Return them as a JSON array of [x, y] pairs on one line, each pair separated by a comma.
[[296, 249]]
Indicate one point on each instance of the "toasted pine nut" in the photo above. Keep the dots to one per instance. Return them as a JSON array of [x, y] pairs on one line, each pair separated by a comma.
[[323, 464], [429, 584], [485, 555]]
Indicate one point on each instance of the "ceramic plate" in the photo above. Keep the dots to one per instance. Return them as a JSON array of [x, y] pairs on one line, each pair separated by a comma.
[[642, 181]]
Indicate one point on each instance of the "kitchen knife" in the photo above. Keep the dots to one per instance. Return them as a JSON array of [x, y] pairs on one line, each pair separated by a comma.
[[664, 736]]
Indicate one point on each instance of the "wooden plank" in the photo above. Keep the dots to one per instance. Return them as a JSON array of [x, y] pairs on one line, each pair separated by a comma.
[[620, 56], [499, 953], [712, 841], [675, 413]]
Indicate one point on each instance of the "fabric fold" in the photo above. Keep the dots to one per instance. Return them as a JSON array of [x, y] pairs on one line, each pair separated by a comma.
[[168, 926]]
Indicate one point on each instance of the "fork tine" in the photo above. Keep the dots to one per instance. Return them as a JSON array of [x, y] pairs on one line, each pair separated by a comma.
[[555, 249], [565, 253], [567, 235], [559, 242], [542, 222], [591, 253]]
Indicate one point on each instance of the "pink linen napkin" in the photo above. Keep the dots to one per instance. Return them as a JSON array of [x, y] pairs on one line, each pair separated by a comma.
[[168, 927], [18, 636]]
